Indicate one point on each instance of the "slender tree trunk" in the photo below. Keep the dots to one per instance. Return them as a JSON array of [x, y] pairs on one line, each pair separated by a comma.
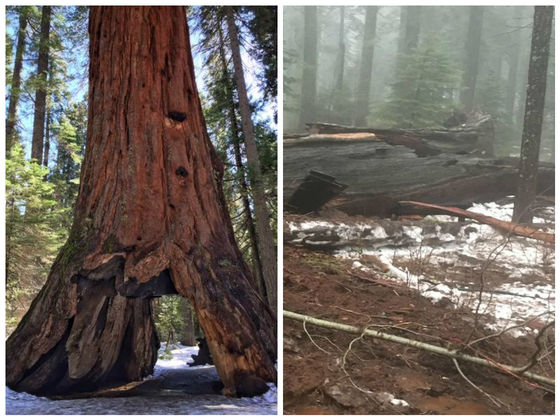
[[513, 65], [534, 107], [41, 92], [341, 53], [188, 337], [309, 78], [243, 187], [47, 140], [16, 81], [150, 219], [262, 216], [409, 32], [472, 53], [249, 222], [364, 81]]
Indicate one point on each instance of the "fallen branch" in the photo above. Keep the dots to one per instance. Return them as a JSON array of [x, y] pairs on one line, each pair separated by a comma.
[[508, 227], [453, 354]]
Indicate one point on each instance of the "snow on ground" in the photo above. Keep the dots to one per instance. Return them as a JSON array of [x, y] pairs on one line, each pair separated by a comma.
[[528, 287], [173, 403]]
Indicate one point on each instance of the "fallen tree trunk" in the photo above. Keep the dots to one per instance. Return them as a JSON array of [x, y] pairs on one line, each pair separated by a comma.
[[380, 174], [506, 227], [453, 354], [475, 133]]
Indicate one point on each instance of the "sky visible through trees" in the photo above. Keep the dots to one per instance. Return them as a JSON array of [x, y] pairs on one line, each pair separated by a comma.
[[78, 84], [50, 195]]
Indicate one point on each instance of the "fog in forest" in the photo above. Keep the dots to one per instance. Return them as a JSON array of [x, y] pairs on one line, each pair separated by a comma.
[[412, 67]]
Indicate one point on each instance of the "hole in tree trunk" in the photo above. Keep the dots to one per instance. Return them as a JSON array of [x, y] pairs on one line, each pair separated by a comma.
[[184, 360]]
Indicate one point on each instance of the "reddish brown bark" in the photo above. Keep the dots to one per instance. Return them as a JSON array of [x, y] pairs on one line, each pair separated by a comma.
[[150, 218]]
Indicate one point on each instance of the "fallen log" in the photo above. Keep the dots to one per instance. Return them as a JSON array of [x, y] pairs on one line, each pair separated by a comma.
[[380, 174], [475, 133], [506, 227], [453, 354]]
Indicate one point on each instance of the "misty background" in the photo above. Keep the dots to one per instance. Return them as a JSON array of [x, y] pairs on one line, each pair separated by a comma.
[[412, 67]]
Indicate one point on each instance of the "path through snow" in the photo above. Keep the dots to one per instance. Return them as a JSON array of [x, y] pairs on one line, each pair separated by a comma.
[[188, 400]]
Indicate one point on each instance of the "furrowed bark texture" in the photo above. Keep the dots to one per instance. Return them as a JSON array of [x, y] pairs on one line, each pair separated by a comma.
[[150, 219]]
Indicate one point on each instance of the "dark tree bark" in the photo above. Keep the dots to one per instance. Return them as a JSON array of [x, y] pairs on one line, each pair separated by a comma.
[[309, 78], [513, 65], [16, 81], [340, 60], [534, 106], [47, 139], [267, 248], [366, 65], [150, 219], [41, 92], [188, 337], [409, 32], [472, 53]]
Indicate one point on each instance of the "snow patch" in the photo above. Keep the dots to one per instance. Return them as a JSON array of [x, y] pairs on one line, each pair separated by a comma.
[[181, 404]]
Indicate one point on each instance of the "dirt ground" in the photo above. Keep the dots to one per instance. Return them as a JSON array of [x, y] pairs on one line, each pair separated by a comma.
[[379, 377]]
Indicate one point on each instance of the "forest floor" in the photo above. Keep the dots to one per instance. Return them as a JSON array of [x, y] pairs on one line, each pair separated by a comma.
[[420, 279], [174, 388]]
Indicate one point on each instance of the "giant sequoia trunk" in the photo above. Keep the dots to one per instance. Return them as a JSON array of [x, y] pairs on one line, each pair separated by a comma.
[[150, 219]]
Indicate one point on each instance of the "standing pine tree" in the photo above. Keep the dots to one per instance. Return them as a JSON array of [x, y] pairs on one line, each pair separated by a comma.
[[15, 86], [534, 107], [309, 77], [41, 86], [267, 248], [422, 93]]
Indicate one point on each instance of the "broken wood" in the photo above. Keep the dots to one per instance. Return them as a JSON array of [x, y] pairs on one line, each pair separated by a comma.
[[506, 227], [316, 189], [380, 173], [474, 134], [453, 354]]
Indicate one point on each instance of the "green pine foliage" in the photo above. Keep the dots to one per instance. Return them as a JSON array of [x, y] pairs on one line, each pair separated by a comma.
[[175, 320], [33, 231], [424, 88], [219, 100], [491, 98]]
